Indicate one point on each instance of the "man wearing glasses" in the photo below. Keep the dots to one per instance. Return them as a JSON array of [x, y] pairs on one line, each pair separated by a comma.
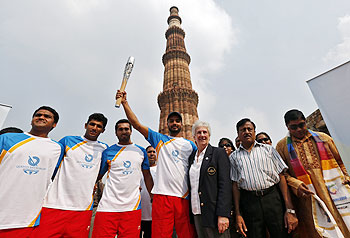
[[314, 168]]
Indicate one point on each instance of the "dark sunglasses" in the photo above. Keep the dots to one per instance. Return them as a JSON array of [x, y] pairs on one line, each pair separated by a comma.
[[295, 126], [227, 145], [263, 139]]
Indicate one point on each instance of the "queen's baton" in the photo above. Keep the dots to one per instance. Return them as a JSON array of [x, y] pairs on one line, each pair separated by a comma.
[[127, 71]]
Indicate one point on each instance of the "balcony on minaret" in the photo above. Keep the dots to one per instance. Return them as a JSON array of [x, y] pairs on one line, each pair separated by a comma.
[[174, 19]]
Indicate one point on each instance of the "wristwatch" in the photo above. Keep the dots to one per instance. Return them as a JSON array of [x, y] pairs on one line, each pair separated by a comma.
[[291, 211]]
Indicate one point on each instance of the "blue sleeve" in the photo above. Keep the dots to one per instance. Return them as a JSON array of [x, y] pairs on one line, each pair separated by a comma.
[[63, 142], [8, 140], [104, 164], [194, 147], [60, 159], [1, 142], [154, 137], [145, 163]]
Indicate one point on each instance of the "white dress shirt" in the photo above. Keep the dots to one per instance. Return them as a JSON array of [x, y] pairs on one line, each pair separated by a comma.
[[194, 180]]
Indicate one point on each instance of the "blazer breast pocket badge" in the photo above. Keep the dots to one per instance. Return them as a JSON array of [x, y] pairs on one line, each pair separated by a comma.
[[211, 171]]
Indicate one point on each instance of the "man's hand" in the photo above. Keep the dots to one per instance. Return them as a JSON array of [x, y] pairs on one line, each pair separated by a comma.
[[346, 180], [223, 224], [303, 190], [290, 221], [240, 225], [121, 95]]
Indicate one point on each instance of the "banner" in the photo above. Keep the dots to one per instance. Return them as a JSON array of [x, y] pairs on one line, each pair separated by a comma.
[[331, 92], [325, 223], [4, 110]]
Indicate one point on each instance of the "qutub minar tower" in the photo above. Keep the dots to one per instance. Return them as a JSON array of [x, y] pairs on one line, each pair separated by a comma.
[[177, 94]]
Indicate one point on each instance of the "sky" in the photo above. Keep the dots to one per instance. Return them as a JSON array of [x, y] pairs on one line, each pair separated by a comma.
[[248, 59]]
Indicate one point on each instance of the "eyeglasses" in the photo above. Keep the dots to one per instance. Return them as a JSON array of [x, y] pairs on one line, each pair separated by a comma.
[[227, 145], [295, 126], [263, 139]]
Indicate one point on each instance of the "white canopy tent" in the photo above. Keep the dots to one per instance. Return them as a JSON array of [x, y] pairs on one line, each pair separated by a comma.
[[4, 110], [331, 91]]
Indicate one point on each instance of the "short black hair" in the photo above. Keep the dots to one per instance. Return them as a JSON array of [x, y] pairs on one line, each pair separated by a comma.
[[122, 121], [10, 130], [263, 133], [98, 117], [244, 121], [50, 109], [292, 115], [149, 147]]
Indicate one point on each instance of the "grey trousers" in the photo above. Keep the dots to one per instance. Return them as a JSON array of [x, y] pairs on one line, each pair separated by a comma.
[[208, 232]]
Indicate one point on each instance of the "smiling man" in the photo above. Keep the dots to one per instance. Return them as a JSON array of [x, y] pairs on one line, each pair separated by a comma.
[[257, 174], [27, 163], [119, 210], [315, 167], [68, 205], [171, 193]]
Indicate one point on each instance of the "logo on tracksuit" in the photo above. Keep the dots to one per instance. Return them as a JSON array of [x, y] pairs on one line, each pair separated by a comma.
[[175, 155], [127, 169], [33, 161], [88, 159]]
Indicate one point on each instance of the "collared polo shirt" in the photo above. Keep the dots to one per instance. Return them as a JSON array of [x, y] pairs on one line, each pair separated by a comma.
[[258, 169]]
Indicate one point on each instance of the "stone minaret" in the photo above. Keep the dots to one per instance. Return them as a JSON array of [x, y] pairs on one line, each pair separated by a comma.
[[177, 94]]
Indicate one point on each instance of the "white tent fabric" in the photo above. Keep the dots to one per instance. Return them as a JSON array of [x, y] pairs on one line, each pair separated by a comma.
[[4, 110], [331, 91]]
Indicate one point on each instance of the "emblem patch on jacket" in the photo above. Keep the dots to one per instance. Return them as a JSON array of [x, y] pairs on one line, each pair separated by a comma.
[[211, 171]]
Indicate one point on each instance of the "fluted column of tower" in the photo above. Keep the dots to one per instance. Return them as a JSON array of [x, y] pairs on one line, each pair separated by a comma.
[[177, 94]]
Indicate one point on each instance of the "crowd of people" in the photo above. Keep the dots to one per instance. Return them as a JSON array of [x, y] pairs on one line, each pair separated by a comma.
[[174, 186]]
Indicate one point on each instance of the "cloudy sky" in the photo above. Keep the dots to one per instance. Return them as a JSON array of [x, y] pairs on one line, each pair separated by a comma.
[[249, 59]]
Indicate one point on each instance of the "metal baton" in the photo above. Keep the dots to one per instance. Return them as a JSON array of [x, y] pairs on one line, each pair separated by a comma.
[[127, 71]]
